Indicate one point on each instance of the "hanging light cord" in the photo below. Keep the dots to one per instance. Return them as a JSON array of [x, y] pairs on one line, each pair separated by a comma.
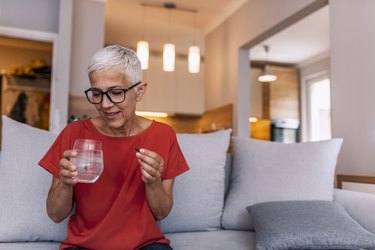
[[195, 29], [169, 25], [143, 22], [266, 48]]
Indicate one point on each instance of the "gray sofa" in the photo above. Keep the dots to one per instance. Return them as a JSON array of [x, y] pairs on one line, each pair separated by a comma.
[[215, 202]]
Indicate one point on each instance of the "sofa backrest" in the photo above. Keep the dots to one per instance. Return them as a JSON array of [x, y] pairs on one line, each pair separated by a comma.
[[228, 171], [199, 193], [24, 185]]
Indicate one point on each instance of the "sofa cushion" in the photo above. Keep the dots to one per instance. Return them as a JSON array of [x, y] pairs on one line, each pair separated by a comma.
[[30, 246], [271, 171], [359, 205], [307, 225], [199, 193], [24, 185], [208, 240]]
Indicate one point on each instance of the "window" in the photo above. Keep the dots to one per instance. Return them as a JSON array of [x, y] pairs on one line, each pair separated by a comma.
[[319, 109]]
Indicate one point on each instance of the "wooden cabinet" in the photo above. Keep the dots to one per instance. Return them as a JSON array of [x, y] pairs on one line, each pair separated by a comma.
[[281, 97], [178, 92], [160, 95], [190, 90]]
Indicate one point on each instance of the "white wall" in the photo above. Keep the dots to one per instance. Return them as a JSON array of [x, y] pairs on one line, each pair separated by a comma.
[[223, 83], [77, 30], [42, 15], [352, 83], [87, 38]]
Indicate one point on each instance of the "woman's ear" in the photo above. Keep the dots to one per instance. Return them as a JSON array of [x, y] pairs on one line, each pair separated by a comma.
[[141, 91]]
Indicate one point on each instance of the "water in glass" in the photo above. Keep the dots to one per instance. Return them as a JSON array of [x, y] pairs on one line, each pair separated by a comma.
[[89, 160]]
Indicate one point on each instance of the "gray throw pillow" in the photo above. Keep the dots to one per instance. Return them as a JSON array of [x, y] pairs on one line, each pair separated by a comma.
[[198, 195], [307, 225], [24, 185], [271, 171]]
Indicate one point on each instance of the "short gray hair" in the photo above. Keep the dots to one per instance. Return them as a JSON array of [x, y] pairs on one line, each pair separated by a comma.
[[117, 56]]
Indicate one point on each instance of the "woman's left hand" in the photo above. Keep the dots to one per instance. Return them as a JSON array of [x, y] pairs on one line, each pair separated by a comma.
[[152, 166]]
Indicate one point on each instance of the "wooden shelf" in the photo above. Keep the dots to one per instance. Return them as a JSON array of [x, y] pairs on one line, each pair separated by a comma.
[[39, 84]]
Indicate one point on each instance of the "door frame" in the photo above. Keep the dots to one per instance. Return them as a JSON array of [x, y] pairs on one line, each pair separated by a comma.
[[40, 36]]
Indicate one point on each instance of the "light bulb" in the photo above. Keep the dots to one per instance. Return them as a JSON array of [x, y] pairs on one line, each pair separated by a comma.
[[168, 57], [143, 53], [194, 59]]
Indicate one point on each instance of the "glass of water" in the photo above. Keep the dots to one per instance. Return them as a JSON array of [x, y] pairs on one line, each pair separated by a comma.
[[89, 159]]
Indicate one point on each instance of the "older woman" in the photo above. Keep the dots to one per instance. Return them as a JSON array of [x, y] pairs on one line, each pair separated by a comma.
[[120, 210]]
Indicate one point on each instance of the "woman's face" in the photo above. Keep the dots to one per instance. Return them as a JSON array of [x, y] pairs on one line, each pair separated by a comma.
[[115, 115]]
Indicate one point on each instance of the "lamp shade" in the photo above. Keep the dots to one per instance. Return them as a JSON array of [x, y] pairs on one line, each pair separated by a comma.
[[194, 59], [143, 53], [168, 57], [267, 75]]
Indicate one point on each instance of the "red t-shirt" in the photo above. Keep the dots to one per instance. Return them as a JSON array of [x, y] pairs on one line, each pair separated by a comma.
[[113, 212]]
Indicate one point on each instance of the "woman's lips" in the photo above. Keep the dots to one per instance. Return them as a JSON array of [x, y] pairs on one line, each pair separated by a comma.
[[111, 115]]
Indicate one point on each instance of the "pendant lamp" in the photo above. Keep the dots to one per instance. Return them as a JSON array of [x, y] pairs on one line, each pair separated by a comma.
[[267, 75], [194, 58], [143, 53], [142, 47], [169, 48], [169, 57], [169, 51]]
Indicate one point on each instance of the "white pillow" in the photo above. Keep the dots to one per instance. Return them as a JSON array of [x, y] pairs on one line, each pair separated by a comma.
[[271, 171], [199, 193], [24, 185]]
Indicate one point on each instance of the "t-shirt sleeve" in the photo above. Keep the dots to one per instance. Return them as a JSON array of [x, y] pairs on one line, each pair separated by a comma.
[[51, 160], [176, 163]]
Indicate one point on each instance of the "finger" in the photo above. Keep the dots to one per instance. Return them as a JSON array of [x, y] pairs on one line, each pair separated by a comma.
[[155, 173], [68, 173], [69, 181], [65, 164], [152, 167], [150, 154], [68, 165], [143, 159], [146, 177], [69, 154]]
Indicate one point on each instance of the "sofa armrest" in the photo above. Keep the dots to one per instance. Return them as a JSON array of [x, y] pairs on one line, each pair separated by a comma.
[[354, 179], [359, 205]]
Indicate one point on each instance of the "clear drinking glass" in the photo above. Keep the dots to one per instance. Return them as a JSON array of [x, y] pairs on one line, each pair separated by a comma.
[[89, 159]]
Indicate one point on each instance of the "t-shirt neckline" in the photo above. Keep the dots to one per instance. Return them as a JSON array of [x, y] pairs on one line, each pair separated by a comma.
[[99, 133]]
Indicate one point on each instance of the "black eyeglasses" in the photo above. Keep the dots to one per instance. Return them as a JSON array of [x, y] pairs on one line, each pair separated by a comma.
[[95, 96]]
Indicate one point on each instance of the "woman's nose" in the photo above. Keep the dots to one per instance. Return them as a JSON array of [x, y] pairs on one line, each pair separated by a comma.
[[106, 102]]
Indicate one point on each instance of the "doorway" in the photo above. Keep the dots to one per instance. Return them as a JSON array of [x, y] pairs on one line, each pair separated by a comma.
[[304, 47], [26, 79]]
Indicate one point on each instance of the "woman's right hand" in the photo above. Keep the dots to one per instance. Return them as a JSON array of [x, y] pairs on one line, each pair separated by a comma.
[[68, 171]]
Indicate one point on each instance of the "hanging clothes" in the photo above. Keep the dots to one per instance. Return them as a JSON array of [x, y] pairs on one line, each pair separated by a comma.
[[18, 111]]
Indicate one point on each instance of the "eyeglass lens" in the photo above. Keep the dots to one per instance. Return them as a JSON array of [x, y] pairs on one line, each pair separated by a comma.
[[114, 95]]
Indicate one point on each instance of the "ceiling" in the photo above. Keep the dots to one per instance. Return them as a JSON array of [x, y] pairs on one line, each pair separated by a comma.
[[128, 21], [302, 43]]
